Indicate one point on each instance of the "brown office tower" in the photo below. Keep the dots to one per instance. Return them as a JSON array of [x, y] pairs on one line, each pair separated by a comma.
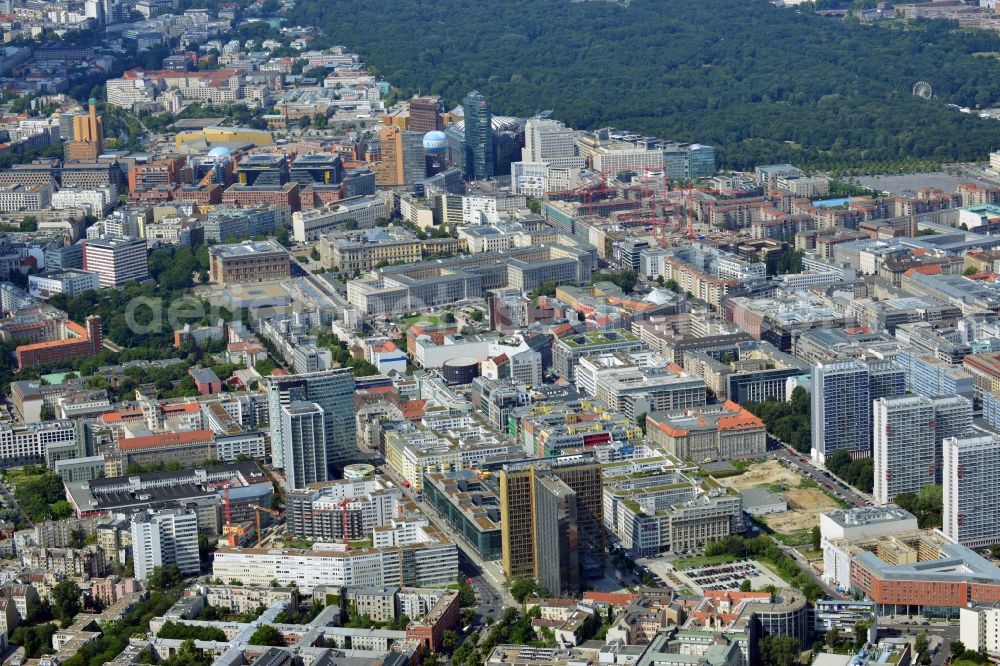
[[389, 168], [552, 520], [425, 114], [88, 135]]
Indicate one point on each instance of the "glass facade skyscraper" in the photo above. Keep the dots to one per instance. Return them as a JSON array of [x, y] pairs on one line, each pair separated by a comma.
[[480, 160], [333, 392]]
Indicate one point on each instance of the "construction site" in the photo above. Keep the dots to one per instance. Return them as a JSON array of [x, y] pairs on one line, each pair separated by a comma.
[[643, 198]]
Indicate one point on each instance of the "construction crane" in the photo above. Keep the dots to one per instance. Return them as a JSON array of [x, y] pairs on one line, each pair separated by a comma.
[[226, 505], [257, 509]]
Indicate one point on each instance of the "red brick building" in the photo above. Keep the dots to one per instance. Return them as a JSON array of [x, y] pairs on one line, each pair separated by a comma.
[[163, 172], [256, 195], [205, 380], [318, 195], [939, 584], [430, 629], [73, 341], [202, 194]]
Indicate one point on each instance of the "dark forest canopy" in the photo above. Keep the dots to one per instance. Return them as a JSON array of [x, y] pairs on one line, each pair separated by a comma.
[[762, 83]]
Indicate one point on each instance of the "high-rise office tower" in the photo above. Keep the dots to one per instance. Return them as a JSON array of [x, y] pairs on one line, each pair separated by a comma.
[[333, 391], [116, 260], [551, 142], [165, 537], [971, 513], [557, 541], [480, 158], [88, 135], [425, 115], [414, 157], [529, 509], [402, 160], [907, 440], [95, 10], [303, 439], [842, 398]]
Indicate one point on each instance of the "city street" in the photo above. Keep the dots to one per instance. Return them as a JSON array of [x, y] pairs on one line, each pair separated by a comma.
[[487, 577], [800, 463]]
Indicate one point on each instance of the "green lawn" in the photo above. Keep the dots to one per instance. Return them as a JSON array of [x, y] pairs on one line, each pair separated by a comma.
[[703, 560], [432, 319], [796, 538]]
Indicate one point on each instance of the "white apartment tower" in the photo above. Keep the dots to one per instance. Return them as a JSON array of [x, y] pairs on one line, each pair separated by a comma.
[[842, 395], [165, 537], [303, 437], [972, 490], [907, 436]]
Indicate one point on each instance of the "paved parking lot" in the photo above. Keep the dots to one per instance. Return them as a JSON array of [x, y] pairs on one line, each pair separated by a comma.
[[722, 576]]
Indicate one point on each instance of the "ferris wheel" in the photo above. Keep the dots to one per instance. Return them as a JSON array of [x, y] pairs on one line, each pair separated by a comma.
[[923, 89]]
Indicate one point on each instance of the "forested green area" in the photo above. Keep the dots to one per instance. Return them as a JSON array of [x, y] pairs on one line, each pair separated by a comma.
[[765, 84]]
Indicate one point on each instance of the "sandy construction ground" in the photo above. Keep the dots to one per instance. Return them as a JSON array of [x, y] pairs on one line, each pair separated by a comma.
[[804, 507], [765, 474], [804, 504]]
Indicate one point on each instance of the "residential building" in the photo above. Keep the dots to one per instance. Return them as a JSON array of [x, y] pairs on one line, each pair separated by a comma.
[[908, 432], [303, 438], [979, 628], [971, 514], [842, 395], [165, 538], [323, 510], [330, 390], [17, 197], [422, 557], [60, 340]]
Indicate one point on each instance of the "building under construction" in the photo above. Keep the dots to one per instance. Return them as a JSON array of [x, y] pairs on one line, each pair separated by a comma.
[[341, 510]]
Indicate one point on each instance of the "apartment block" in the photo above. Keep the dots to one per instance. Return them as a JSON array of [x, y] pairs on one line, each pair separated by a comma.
[[908, 431], [164, 538], [842, 396], [322, 511], [971, 515], [425, 558]]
